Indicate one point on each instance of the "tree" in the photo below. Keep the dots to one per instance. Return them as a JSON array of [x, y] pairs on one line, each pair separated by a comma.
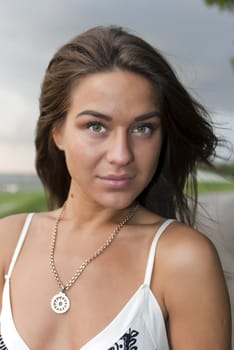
[[223, 5]]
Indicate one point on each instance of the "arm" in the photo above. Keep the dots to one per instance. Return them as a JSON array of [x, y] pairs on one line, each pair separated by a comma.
[[196, 296]]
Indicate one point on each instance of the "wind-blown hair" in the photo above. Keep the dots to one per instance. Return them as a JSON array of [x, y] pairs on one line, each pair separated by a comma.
[[187, 129]]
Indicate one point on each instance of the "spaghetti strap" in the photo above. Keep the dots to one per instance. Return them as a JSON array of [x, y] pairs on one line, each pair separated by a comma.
[[150, 262], [19, 244]]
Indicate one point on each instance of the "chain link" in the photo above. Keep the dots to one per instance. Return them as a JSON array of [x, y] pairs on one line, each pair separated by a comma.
[[92, 257]]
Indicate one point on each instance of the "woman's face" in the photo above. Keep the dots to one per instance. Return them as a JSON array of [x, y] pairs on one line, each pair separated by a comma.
[[111, 138]]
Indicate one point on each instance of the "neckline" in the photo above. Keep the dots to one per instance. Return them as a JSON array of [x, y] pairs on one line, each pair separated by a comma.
[[106, 334], [114, 321], [98, 337], [95, 338]]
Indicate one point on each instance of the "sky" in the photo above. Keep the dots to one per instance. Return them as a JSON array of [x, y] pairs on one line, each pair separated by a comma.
[[197, 40]]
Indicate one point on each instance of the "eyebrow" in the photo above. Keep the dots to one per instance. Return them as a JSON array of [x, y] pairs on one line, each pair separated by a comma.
[[108, 118]]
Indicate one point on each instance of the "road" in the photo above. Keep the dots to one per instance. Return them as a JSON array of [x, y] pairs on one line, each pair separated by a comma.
[[216, 220]]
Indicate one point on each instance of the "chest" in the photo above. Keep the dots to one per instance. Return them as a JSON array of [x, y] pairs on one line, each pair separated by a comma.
[[139, 325], [97, 297]]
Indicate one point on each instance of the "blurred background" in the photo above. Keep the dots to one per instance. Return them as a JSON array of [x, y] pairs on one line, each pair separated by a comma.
[[196, 36]]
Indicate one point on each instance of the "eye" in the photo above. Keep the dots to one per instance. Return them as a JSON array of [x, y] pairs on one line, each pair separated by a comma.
[[96, 127], [144, 129]]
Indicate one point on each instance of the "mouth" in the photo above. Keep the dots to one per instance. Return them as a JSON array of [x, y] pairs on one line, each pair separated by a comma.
[[117, 181]]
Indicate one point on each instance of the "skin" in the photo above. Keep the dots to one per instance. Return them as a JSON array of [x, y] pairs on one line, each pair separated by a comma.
[[111, 158], [116, 127]]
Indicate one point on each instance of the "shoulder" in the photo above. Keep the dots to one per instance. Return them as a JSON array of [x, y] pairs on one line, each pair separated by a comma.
[[194, 287], [10, 228], [180, 245], [186, 253], [9, 225], [191, 248], [187, 246], [184, 257]]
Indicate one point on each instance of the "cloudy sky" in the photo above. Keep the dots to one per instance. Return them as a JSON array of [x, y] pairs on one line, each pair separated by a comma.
[[197, 40]]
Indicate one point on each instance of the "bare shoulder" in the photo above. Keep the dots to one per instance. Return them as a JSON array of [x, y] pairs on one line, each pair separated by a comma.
[[11, 222], [188, 254], [194, 289], [10, 228], [187, 247], [10, 225]]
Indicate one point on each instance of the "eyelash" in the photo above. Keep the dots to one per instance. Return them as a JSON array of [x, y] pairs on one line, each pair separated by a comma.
[[151, 126], [93, 123]]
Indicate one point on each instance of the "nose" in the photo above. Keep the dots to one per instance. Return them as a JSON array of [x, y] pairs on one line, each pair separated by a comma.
[[119, 149]]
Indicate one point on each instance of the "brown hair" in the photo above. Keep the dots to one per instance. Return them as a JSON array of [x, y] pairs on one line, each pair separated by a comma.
[[189, 136]]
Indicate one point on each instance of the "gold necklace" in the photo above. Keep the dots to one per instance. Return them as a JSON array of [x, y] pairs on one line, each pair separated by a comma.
[[60, 303]]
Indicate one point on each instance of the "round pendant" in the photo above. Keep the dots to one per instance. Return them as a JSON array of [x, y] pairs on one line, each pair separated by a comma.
[[60, 303]]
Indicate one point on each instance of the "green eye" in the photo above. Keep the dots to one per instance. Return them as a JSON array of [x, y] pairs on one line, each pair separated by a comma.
[[98, 128], [144, 129]]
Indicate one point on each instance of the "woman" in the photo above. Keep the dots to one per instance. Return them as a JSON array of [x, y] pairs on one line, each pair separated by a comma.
[[118, 140]]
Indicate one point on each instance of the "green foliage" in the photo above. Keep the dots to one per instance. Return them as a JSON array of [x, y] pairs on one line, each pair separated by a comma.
[[222, 4]]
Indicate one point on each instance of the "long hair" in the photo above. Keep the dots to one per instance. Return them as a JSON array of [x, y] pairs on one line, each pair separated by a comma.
[[187, 129]]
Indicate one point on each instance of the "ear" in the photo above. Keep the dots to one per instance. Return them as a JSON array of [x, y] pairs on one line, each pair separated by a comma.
[[57, 136]]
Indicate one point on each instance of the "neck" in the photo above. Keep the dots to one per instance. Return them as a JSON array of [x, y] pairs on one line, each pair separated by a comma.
[[84, 213]]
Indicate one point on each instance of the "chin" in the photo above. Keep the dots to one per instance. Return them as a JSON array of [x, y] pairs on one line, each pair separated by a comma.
[[117, 202]]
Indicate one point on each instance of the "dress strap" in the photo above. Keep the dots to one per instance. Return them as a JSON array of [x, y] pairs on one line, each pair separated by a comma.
[[19, 244], [150, 262]]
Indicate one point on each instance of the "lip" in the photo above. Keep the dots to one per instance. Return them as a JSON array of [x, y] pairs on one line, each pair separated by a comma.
[[117, 181]]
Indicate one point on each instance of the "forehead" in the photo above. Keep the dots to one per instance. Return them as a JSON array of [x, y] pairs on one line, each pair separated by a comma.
[[116, 89]]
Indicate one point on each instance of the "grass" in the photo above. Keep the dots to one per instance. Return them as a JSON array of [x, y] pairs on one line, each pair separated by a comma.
[[213, 187], [24, 202]]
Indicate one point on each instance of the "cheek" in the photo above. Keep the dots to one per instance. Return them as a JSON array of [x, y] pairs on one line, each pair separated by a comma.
[[81, 157], [77, 156]]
